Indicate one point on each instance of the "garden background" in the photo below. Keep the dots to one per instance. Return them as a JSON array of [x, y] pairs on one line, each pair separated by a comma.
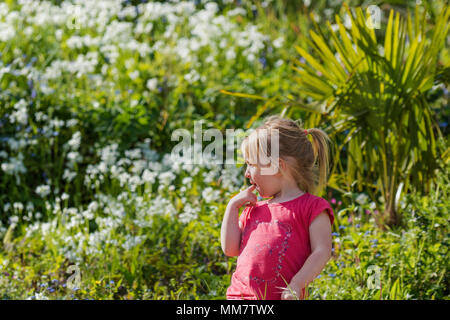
[[93, 207]]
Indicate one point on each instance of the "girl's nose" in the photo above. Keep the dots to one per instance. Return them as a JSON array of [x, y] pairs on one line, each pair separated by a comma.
[[247, 173]]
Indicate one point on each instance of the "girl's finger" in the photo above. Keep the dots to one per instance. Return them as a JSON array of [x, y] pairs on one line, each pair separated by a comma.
[[252, 201], [288, 296]]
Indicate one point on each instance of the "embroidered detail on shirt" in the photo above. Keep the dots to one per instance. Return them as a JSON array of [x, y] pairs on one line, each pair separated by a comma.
[[276, 252]]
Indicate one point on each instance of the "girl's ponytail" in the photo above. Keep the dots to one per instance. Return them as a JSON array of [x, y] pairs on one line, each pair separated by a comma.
[[320, 145]]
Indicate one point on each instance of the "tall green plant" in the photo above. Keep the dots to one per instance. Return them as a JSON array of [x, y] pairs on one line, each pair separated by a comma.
[[377, 92]]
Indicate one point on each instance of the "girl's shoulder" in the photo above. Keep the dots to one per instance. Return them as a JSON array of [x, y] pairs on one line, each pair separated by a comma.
[[311, 199], [315, 206], [307, 207], [316, 199]]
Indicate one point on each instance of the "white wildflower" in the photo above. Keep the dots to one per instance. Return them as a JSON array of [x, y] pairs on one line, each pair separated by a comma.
[[149, 176], [134, 75], [88, 215], [132, 242], [362, 198], [14, 166], [166, 177], [210, 195], [7, 32], [71, 122], [74, 142], [20, 113], [18, 206], [277, 43], [189, 214], [133, 154], [109, 154], [43, 190], [69, 175], [93, 206], [6, 207], [152, 84], [237, 11], [41, 296], [230, 54], [192, 76], [30, 206], [279, 63], [186, 181], [134, 182], [74, 157], [13, 220]]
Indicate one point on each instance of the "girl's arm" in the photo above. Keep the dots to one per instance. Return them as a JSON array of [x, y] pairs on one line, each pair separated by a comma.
[[230, 233], [320, 239]]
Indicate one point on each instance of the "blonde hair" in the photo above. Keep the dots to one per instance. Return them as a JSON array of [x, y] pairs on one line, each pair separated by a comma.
[[307, 161]]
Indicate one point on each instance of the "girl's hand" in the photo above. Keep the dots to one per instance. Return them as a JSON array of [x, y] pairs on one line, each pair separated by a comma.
[[244, 197], [292, 292]]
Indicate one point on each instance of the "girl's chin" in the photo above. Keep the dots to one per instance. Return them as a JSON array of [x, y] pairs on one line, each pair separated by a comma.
[[264, 195], [261, 194]]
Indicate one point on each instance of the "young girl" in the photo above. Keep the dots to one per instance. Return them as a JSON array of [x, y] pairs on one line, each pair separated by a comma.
[[284, 242]]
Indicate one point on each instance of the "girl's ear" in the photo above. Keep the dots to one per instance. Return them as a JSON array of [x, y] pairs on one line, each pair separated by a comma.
[[282, 165], [285, 168]]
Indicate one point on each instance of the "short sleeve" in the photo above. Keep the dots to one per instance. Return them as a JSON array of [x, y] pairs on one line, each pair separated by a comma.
[[244, 217], [317, 207]]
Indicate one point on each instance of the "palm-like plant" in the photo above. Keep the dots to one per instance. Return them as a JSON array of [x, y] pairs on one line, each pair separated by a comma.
[[377, 94]]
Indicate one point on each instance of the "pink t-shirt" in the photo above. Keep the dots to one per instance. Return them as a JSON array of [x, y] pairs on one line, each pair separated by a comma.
[[274, 245]]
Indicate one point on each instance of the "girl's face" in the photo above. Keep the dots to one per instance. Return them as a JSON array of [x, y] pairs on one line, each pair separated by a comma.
[[266, 184]]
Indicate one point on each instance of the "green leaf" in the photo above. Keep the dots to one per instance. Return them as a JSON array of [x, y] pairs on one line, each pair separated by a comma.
[[329, 58], [388, 37], [314, 63], [243, 95], [8, 236], [259, 112]]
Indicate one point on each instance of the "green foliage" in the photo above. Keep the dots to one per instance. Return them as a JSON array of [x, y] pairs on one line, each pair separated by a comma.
[[377, 94], [184, 261], [113, 83], [413, 260]]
